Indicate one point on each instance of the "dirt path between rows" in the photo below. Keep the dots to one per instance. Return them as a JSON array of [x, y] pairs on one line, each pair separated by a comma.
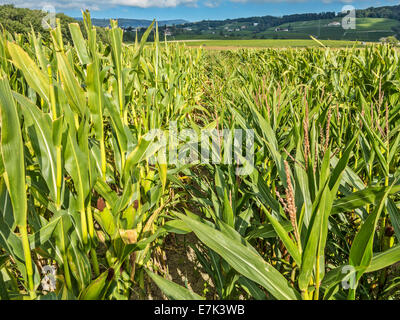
[[177, 262]]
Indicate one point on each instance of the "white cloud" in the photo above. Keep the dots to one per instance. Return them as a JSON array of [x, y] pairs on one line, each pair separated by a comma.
[[97, 4], [288, 1], [58, 4], [266, 1], [212, 3], [153, 3]]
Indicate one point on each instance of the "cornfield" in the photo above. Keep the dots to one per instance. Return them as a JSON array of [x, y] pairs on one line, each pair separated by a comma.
[[87, 200]]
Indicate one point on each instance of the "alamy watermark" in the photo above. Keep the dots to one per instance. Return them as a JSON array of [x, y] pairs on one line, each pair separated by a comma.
[[187, 146], [349, 20], [349, 281], [49, 278], [49, 21]]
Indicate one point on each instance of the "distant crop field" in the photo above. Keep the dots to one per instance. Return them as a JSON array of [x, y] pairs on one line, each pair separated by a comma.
[[269, 43], [362, 24], [367, 29]]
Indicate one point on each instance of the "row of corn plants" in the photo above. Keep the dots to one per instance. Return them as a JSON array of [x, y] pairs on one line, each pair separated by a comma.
[[318, 217], [78, 194]]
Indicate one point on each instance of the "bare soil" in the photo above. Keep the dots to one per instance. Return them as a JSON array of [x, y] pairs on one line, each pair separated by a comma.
[[177, 262]]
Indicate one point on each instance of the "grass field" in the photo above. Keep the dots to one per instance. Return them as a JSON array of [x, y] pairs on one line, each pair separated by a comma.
[[367, 29], [269, 43]]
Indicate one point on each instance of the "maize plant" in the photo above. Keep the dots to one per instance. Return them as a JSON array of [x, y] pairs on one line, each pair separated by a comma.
[[87, 193], [82, 196]]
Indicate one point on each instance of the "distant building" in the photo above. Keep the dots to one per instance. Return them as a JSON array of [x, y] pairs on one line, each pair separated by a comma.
[[255, 24], [243, 27], [334, 24]]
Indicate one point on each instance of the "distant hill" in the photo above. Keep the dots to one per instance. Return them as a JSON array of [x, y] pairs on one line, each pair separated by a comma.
[[367, 29], [134, 23], [372, 24]]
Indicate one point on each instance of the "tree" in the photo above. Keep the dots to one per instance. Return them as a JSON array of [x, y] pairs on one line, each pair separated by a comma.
[[21, 20], [390, 40]]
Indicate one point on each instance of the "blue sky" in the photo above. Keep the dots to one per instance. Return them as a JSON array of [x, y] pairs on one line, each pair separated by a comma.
[[195, 10]]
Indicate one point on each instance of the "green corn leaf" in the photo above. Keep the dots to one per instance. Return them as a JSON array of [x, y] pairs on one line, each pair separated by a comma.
[[79, 43], [267, 231], [137, 155], [43, 235], [394, 214], [253, 288], [302, 187], [10, 242], [361, 198], [361, 249], [107, 221], [3, 290], [228, 215], [172, 290], [118, 127], [76, 163], [142, 43], [78, 262], [349, 176], [6, 210], [262, 191], [384, 259], [42, 141], [335, 277], [98, 287], [176, 226], [284, 236], [337, 173], [71, 85], [12, 150], [377, 144], [270, 141], [95, 97], [243, 259], [311, 251], [106, 192], [39, 50], [35, 77]]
